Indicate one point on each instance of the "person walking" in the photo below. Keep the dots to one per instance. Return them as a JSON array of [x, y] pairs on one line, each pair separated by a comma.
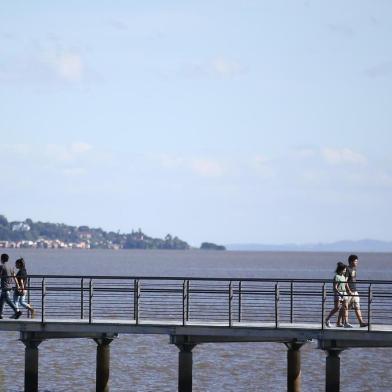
[[7, 277], [341, 291], [353, 301], [21, 287]]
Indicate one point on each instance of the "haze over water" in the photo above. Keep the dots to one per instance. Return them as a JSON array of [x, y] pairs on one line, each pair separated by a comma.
[[149, 363]]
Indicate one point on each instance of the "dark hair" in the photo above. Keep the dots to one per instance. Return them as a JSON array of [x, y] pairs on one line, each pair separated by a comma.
[[20, 262], [340, 267], [352, 258], [4, 258]]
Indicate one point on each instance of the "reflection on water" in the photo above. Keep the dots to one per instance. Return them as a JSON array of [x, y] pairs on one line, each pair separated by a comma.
[[149, 363]]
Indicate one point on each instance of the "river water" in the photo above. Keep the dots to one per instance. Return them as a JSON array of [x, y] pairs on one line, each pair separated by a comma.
[[149, 363]]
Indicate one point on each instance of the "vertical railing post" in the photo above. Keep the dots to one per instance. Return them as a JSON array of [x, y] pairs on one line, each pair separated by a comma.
[[28, 293], [239, 301], [136, 300], [82, 298], [184, 302], [43, 294], [277, 305], [230, 302], [291, 302], [370, 300], [323, 300], [187, 301], [90, 301]]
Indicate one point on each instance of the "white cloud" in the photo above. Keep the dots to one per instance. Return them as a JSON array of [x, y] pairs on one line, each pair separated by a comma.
[[67, 153], [17, 149], [207, 168], [201, 166], [263, 167], [49, 153], [68, 66], [261, 160], [305, 153], [226, 68], [80, 147], [211, 68], [336, 156], [169, 161]]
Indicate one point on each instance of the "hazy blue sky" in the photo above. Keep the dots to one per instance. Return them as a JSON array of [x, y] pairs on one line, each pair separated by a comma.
[[226, 121]]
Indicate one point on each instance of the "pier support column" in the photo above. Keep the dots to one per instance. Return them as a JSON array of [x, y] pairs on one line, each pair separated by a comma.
[[294, 366], [103, 364], [332, 370], [31, 361], [185, 367]]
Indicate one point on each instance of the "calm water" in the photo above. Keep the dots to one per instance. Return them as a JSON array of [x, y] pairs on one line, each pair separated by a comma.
[[149, 363]]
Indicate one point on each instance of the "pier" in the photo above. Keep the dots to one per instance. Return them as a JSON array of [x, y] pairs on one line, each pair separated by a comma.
[[193, 311]]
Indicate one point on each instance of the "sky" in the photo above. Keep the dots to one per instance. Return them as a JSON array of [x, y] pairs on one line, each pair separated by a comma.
[[224, 121]]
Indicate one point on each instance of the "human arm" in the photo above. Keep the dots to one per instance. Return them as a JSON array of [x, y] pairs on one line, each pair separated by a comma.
[[336, 285], [20, 280], [348, 290]]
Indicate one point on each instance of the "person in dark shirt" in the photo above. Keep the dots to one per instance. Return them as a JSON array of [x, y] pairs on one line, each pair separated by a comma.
[[353, 302], [7, 281], [21, 287]]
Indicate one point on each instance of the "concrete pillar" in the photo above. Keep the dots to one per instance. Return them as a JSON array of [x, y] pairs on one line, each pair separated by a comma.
[[31, 363], [185, 367], [332, 370], [103, 364], [294, 367]]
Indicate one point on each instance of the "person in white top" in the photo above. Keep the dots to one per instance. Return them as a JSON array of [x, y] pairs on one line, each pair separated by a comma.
[[341, 296]]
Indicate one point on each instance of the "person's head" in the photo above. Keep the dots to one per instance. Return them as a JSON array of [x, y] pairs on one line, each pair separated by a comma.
[[4, 258], [20, 263], [341, 268], [352, 260]]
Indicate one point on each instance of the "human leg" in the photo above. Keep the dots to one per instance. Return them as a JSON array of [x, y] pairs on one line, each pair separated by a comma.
[[23, 303], [357, 309], [333, 311], [11, 304], [346, 324], [1, 303], [16, 300], [9, 301]]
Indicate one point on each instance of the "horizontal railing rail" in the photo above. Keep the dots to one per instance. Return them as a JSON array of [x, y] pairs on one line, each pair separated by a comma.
[[230, 302]]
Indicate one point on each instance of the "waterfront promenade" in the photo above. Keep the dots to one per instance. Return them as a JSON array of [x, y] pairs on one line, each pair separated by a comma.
[[194, 311]]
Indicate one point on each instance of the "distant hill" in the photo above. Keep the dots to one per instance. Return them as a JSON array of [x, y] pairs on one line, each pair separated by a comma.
[[366, 245], [29, 234]]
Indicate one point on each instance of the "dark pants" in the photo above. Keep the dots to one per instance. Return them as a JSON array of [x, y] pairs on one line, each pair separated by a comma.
[[5, 296]]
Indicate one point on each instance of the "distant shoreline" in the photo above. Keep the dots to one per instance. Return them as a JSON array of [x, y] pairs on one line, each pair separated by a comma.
[[366, 245], [190, 250]]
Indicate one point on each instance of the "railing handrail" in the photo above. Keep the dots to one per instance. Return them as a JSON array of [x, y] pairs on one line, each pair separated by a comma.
[[198, 278]]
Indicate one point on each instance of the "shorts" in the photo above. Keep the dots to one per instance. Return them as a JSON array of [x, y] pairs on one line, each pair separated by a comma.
[[353, 301], [341, 296]]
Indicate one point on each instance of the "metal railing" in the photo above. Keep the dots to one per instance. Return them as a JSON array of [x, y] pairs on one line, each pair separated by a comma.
[[182, 300]]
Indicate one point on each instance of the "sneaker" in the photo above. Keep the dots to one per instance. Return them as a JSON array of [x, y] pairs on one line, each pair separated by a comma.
[[348, 325], [16, 315], [364, 325], [327, 323], [1, 317], [339, 325]]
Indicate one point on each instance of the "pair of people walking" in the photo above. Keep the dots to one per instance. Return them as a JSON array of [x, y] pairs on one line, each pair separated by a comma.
[[346, 294], [16, 283]]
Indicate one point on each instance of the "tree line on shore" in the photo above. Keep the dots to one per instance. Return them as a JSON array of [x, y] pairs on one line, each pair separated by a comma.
[[44, 234], [29, 231]]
